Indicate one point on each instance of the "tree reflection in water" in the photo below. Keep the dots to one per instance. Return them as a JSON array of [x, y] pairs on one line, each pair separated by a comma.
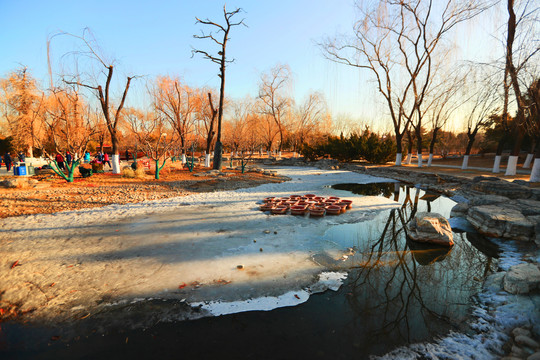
[[401, 291]]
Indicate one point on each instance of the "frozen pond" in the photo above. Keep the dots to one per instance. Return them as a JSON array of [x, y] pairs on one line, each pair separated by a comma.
[[394, 292]]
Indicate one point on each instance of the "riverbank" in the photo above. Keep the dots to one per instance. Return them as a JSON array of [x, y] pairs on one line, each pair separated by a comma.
[[72, 266]]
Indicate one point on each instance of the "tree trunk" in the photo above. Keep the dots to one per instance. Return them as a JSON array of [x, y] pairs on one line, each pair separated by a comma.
[[399, 148], [218, 159], [470, 142], [535, 172], [432, 145], [498, 155], [530, 155], [409, 149], [115, 157], [418, 132], [511, 167]]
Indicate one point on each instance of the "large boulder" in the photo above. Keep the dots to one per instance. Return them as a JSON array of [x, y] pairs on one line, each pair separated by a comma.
[[522, 278], [496, 221], [527, 207], [488, 200], [430, 228], [503, 188]]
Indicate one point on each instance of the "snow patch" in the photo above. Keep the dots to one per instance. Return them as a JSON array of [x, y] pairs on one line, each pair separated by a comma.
[[327, 280], [266, 303]]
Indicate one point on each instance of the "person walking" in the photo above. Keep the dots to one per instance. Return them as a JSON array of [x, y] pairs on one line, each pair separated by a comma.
[[86, 158], [69, 158], [8, 161], [106, 160], [60, 161]]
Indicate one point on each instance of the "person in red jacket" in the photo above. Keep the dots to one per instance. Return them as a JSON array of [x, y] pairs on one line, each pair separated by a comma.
[[60, 161], [106, 160]]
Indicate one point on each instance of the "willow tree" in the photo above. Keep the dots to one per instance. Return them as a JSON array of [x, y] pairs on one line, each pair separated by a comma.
[[273, 97], [521, 28], [308, 119], [479, 108], [398, 42], [441, 104], [220, 59]]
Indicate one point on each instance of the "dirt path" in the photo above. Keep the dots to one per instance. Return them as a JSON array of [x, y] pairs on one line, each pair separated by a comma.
[[47, 194]]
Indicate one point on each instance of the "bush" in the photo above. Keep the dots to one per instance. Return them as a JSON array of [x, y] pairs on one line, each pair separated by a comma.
[[310, 153], [128, 172], [140, 173], [369, 146], [85, 172]]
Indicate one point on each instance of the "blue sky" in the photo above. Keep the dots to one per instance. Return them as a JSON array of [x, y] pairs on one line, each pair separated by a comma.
[[155, 38]]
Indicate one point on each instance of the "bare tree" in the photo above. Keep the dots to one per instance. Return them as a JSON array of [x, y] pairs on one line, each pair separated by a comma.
[[154, 135], [267, 129], [397, 42], [532, 101], [309, 117], [222, 61], [483, 102], [70, 125], [441, 104], [206, 115], [275, 102], [177, 103], [100, 85], [241, 125], [516, 59]]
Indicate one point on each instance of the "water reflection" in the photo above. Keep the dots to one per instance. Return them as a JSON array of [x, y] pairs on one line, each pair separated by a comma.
[[400, 289]]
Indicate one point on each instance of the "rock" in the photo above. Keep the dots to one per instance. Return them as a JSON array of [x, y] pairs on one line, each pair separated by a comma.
[[520, 331], [527, 207], [522, 278], [431, 228], [9, 183], [504, 188], [488, 200], [526, 341], [536, 220], [496, 221], [459, 210], [495, 281], [521, 182], [535, 356], [477, 179], [518, 352], [535, 194]]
